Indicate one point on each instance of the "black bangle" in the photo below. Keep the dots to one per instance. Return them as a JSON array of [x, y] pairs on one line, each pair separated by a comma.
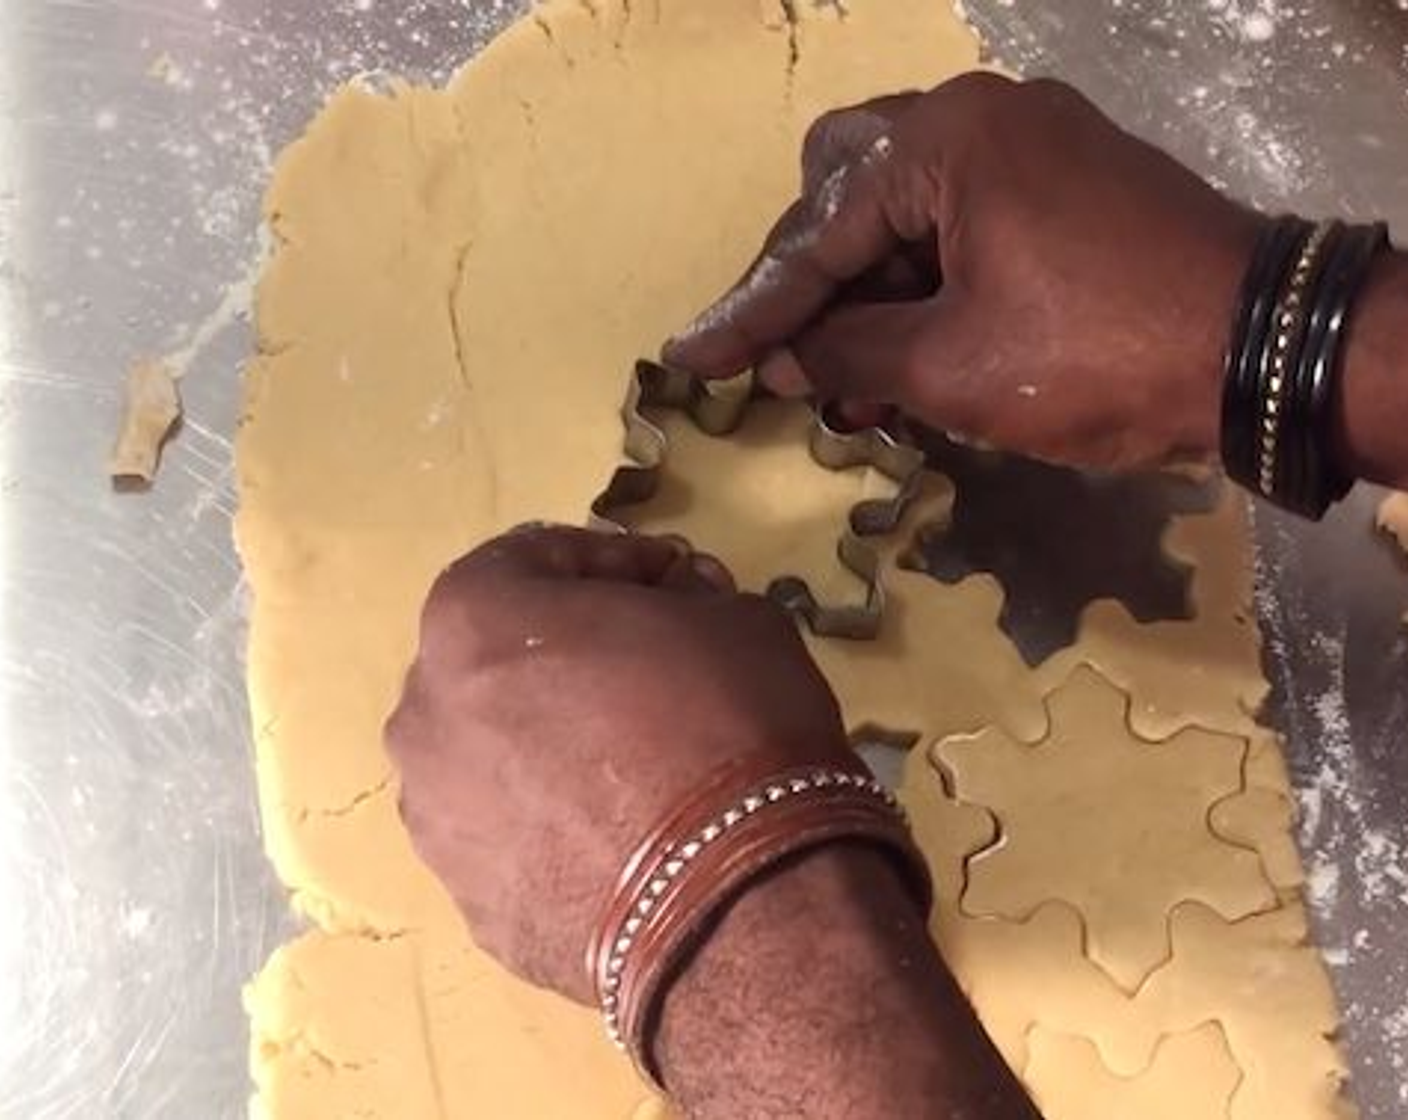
[[1280, 242], [1317, 483], [1281, 391]]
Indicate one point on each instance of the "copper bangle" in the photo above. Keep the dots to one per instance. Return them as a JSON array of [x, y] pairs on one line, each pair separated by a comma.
[[736, 825]]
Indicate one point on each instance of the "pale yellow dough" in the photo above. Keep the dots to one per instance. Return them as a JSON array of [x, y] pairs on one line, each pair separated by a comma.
[[1123, 861], [1393, 518], [1192, 1075], [150, 411], [463, 281]]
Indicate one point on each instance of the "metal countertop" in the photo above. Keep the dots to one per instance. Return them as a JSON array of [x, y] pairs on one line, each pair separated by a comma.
[[135, 138]]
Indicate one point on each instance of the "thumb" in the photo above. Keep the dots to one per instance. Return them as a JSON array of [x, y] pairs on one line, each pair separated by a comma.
[[916, 355]]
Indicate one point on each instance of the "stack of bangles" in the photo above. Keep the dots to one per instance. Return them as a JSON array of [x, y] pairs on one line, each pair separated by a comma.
[[1283, 365], [752, 814]]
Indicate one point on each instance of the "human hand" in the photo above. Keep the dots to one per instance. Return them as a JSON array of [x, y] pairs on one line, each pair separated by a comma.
[[569, 690], [1001, 261]]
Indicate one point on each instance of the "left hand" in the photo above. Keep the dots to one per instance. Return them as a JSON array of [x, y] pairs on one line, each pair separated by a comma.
[[570, 689]]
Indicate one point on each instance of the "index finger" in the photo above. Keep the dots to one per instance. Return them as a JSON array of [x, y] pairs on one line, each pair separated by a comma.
[[813, 252]]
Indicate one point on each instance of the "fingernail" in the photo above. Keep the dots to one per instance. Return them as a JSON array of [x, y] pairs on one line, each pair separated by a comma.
[[712, 317], [713, 570], [782, 375]]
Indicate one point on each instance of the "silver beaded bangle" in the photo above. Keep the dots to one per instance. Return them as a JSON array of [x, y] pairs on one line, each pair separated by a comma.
[[675, 858]]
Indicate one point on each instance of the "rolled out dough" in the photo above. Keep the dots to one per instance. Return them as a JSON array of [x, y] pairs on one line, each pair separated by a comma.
[[462, 282]]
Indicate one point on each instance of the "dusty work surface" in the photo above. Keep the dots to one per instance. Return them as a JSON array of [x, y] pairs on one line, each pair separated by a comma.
[[134, 140]]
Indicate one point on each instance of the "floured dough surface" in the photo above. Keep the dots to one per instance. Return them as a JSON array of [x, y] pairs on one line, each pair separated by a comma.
[[463, 282]]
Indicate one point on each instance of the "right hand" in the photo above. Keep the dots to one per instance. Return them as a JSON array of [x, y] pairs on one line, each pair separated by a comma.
[[1001, 261]]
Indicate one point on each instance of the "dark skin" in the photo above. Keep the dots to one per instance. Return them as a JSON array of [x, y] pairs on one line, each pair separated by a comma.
[[996, 259]]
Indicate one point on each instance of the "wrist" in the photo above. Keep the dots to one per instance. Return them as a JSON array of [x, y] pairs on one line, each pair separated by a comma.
[[818, 992], [1220, 267], [1367, 434]]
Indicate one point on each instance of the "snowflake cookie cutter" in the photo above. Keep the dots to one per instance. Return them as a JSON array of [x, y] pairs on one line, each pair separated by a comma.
[[718, 408]]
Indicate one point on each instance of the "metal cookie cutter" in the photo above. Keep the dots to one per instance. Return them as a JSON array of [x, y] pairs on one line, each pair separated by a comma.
[[718, 407]]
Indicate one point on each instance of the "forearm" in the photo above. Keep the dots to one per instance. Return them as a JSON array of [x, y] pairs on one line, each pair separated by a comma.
[[1372, 429], [820, 995]]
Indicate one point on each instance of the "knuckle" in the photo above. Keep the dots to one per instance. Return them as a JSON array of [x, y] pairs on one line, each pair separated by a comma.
[[975, 85], [821, 133], [1053, 95]]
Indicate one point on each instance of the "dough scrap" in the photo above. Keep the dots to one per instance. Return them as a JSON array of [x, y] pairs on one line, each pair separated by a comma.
[[150, 412], [1192, 1074], [1124, 860], [1393, 518]]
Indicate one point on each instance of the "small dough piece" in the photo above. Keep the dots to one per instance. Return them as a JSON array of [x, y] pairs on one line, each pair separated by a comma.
[[1192, 1074], [1123, 861], [1393, 518], [151, 411], [1200, 672]]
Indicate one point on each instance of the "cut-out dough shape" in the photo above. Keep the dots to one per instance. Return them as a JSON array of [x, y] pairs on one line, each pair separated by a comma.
[[758, 499], [1192, 1074], [1253, 978], [1262, 815], [1201, 672], [947, 831], [903, 683], [1123, 862]]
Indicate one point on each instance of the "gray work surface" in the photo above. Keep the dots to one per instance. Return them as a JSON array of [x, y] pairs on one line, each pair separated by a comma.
[[135, 136]]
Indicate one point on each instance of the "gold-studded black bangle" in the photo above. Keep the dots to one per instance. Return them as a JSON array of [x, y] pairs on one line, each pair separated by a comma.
[[1280, 359], [1281, 242], [1283, 363]]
